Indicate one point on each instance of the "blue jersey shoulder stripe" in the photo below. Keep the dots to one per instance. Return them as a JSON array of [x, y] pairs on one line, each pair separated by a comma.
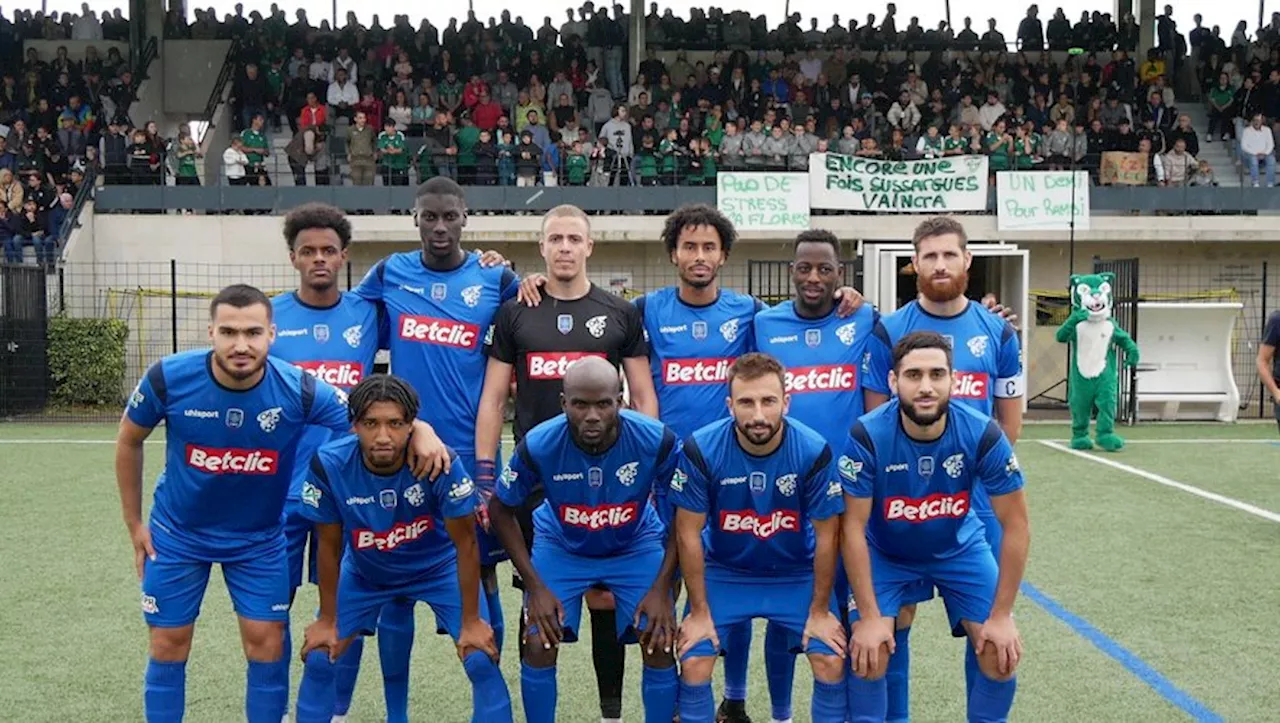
[[317, 469], [308, 394], [668, 441], [1008, 331], [860, 435], [990, 438], [881, 333], [820, 463], [695, 456], [508, 280], [155, 376], [638, 302], [381, 270], [522, 450]]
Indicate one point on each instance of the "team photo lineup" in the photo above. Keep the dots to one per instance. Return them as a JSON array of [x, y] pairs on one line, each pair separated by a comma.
[[683, 465]]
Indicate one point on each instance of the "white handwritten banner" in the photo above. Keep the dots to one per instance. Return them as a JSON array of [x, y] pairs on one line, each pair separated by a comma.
[[853, 183], [764, 201], [1042, 200]]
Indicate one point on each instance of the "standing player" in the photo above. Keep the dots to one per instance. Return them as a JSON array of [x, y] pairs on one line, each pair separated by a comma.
[[757, 522], [364, 499], [233, 418], [334, 337], [578, 320], [910, 471], [988, 377], [439, 303], [601, 466], [1268, 363]]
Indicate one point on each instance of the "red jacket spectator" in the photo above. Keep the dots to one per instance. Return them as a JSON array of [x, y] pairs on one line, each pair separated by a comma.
[[372, 108], [486, 113], [472, 92], [312, 116]]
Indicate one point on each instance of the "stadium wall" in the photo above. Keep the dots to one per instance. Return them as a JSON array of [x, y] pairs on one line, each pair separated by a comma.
[[159, 271]]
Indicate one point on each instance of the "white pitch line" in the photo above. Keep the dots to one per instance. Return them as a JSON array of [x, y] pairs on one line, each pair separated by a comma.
[[1158, 479], [1211, 440]]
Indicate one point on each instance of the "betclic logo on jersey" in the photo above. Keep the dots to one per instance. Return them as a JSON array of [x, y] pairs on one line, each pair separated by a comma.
[[822, 378], [335, 373], [599, 517], [217, 460], [399, 534], [544, 365], [444, 332], [969, 385], [762, 526], [923, 509], [696, 371]]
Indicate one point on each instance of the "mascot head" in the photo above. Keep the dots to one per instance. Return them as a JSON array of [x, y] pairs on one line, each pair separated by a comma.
[[1093, 294]]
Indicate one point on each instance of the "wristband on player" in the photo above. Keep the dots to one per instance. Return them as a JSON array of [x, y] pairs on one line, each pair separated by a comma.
[[486, 470]]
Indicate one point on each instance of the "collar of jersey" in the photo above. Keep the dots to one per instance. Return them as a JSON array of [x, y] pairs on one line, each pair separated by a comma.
[[935, 316]]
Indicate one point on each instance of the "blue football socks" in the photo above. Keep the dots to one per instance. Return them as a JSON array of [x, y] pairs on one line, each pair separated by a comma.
[[991, 700], [491, 701], [345, 672], [266, 695], [867, 699], [493, 600], [538, 692], [317, 693], [828, 703], [658, 687], [697, 703], [737, 656], [164, 692], [898, 678], [395, 645], [780, 670], [971, 670]]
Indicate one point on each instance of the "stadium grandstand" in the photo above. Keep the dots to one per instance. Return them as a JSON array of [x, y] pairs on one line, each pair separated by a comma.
[[149, 153]]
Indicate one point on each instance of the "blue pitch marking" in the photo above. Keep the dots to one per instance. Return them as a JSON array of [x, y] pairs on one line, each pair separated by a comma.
[[1134, 664]]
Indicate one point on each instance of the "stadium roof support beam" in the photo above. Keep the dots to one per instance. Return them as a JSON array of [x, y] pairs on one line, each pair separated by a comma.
[[635, 51]]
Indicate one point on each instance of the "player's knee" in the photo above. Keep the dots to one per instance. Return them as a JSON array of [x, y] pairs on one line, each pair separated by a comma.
[[989, 666], [600, 599], [489, 578], [906, 616], [696, 671], [171, 645], [827, 668], [536, 655], [263, 641], [658, 658]]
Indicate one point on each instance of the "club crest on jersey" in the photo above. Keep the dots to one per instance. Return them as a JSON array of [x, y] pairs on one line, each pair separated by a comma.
[[954, 465], [627, 473], [352, 336], [508, 476], [564, 323], [786, 485], [149, 605], [729, 330], [320, 332], [813, 337], [414, 494], [977, 345], [757, 481], [471, 295], [311, 494], [925, 466], [678, 479], [235, 418], [595, 476], [439, 291], [848, 468], [269, 418], [847, 332], [596, 325], [137, 398], [699, 330], [1012, 465], [387, 498]]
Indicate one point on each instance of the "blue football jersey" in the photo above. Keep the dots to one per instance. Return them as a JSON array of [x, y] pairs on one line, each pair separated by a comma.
[[986, 354], [394, 525], [229, 454], [922, 491], [760, 510], [824, 360], [595, 505], [690, 351], [438, 321], [335, 344]]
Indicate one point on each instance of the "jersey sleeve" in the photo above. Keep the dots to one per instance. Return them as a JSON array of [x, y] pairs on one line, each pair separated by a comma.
[[319, 503], [663, 471], [327, 406], [823, 495], [635, 344], [456, 494], [371, 285], [519, 478], [878, 361], [640, 302], [1271, 335], [147, 403], [508, 286], [998, 469], [1010, 381], [857, 466], [689, 482], [384, 327], [501, 342]]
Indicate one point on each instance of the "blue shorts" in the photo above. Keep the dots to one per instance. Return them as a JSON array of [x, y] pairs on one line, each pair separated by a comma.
[[491, 551], [994, 534], [360, 601], [298, 531], [173, 585], [628, 575], [966, 582], [737, 597]]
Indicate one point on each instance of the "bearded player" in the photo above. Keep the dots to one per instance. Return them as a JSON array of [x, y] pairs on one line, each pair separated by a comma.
[[910, 470], [402, 538], [440, 302], [233, 418], [757, 521], [578, 319], [605, 470], [988, 377]]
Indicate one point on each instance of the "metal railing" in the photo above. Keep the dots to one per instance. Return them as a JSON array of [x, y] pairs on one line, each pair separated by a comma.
[[225, 75]]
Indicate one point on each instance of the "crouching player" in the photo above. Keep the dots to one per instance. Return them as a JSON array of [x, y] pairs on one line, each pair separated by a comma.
[[757, 520], [601, 467], [909, 471], [361, 492]]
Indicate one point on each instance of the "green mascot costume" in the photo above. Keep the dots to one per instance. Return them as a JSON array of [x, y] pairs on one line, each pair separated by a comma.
[[1094, 381]]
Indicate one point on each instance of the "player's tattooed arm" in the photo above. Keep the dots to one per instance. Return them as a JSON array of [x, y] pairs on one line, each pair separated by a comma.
[[822, 623], [999, 629], [698, 624], [323, 632], [871, 631], [850, 301], [476, 633], [129, 457]]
